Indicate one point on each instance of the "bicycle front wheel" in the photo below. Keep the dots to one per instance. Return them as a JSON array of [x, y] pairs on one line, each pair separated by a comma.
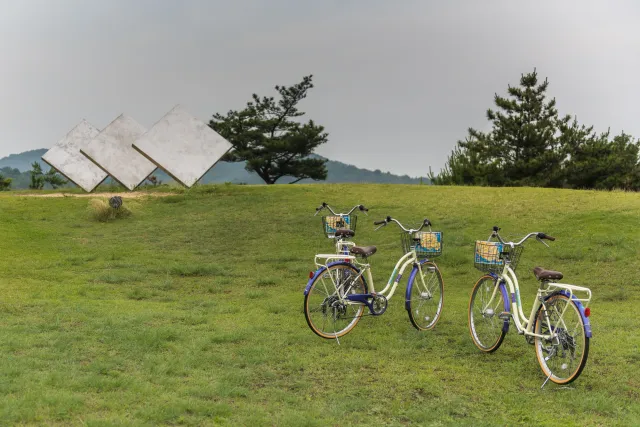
[[488, 310], [563, 353], [327, 312], [425, 295]]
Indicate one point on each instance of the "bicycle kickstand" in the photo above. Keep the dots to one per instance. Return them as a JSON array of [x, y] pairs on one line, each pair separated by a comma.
[[545, 381]]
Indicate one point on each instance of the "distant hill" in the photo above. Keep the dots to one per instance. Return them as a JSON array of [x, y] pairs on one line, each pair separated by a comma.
[[338, 172], [23, 161]]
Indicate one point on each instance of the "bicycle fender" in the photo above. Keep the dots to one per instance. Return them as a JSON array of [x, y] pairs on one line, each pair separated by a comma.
[[412, 276], [507, 305], [322, 269], [585, 319]]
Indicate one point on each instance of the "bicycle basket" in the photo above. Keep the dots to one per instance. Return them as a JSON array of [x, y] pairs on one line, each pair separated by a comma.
[[331, 223], [427, 244], [490, 256]]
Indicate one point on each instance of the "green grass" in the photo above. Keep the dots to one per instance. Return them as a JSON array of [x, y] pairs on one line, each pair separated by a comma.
[[190, 311]]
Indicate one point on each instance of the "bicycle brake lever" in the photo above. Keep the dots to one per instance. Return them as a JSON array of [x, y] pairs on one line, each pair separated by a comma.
[[379, 227], [541, 241]]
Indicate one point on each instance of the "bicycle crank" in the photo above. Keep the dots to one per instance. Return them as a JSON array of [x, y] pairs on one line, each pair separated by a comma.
[[378, 305]]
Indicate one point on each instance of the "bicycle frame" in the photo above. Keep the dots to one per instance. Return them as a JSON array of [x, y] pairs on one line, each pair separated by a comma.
[[523, 324], [410, 258]]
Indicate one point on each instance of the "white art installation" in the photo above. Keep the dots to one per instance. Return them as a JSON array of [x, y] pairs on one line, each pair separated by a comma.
[[111, 149], [65, 157], [180, 144]]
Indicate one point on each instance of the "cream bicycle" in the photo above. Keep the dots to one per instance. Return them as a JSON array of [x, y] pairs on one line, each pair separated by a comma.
[[342, 286], [558, 325], [340, 226]]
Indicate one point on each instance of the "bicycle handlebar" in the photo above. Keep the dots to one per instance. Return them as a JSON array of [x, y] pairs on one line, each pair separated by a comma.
[[388, 219], [326, 206], [538, 235]]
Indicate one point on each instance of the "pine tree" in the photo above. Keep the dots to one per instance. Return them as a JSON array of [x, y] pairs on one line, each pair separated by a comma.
[[37, 180], [54, 179], [604, 164], [267, 137], [522, 147]]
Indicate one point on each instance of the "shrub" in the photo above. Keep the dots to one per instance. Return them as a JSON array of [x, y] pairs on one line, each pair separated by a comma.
[[100, 210]]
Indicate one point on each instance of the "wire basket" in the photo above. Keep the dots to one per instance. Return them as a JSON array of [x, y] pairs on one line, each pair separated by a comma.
[[490, 256], [427, 244], [331, 223]]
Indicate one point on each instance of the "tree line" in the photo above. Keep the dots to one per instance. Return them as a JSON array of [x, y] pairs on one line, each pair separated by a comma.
[[36, 178], [529, 144]]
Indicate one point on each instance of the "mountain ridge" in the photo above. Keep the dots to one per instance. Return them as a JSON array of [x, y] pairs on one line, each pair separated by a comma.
[[337, 172]]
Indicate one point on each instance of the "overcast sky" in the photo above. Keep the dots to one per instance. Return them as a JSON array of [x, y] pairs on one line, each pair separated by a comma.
[[397, 83]]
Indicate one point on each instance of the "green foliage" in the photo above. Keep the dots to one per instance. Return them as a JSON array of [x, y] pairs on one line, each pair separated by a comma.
[[521, 149], [529, 145], [23, 180], [179, 317], [37, 179], [19, 180], [273, 145], [5, 183], [601, 163], [54, 179]]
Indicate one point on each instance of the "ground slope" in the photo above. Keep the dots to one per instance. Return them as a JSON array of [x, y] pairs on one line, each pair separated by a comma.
[[190, 311]]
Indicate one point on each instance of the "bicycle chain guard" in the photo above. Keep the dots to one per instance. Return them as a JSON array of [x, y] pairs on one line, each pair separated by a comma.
[[377, 304]]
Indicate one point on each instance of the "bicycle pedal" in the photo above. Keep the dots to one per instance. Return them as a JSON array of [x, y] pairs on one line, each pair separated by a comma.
[[505, 315]]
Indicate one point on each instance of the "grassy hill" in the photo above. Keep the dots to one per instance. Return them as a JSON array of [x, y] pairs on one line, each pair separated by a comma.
[[338, 172], [190, 311]]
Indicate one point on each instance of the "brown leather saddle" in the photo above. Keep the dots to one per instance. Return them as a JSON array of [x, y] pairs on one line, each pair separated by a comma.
[[546, 275]]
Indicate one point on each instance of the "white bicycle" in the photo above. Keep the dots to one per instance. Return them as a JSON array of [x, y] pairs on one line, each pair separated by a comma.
[[558, 325], [342, 286]]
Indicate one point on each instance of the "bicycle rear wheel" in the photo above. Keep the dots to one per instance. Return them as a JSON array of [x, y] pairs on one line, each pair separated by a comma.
[[327, 313], [488, 302], [425, 295], [563, 356]]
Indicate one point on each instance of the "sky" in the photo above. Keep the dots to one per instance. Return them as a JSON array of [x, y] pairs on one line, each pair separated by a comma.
[[397, 83]]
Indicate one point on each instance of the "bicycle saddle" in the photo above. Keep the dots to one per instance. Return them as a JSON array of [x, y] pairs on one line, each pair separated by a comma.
[[344, 232], [542, 274], [365, 251]]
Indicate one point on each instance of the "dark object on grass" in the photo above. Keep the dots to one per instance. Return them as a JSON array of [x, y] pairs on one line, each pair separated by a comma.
[[115, 202]]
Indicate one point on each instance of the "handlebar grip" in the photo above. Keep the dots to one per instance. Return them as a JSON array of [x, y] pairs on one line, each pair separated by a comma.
[[427, 223], [379, 222], [363, 208], [496, 228], [545, 236]]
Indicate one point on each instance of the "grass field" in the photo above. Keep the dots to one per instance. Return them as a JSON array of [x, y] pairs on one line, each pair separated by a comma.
[[190, 311]]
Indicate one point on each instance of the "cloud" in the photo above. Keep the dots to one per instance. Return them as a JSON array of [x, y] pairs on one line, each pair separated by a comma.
[[397, 83]]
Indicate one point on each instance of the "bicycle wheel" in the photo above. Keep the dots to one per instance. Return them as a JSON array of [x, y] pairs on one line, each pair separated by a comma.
[[488, 301], [424, 297], [562, 357], [325, 310]]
